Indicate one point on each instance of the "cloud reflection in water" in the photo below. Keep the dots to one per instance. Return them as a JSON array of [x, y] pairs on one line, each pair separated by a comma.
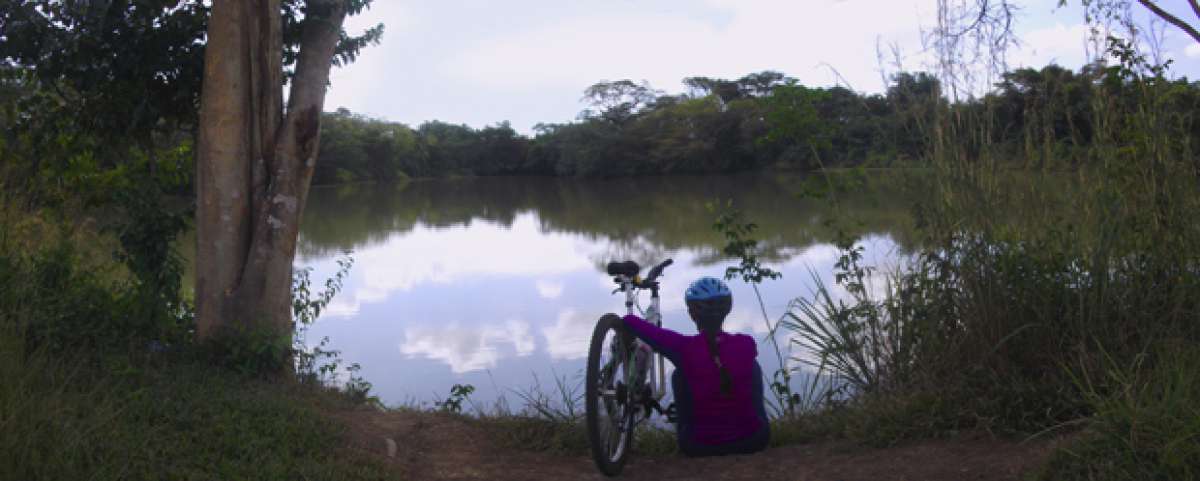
[[467, 349]]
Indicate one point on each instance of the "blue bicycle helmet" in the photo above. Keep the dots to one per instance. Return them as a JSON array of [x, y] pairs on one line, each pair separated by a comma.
[[708, 301], [706, 288]]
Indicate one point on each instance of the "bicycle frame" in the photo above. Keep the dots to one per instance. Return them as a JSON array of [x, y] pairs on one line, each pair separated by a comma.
[[653, 315]]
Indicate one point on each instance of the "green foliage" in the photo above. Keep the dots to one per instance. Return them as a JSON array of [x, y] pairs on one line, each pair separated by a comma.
[[454, 402], [1146, 421], [250, 350], [793, 118], [62, 306], [634, 129], [307, 305], [97, 86], [740, 245], [1027, 301], [355, 148], [319, 365], [258, 351], [119, 71], [100, 383], [618, 101], [859, 343], [147, 230], [766, 120]]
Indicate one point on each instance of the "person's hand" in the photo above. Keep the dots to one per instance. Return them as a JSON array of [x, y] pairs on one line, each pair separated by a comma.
[[626, 332]]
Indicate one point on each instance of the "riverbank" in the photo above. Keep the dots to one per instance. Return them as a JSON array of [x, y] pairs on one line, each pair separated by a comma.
[[453, 447], [174, 416]]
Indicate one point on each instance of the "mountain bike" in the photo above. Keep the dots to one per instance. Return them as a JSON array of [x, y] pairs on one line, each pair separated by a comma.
[[625, 379]]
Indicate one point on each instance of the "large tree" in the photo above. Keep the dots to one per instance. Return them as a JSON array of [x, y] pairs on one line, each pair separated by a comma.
[[255, 158]]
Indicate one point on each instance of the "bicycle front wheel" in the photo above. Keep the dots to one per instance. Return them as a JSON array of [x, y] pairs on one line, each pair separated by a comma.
[[608, 400]]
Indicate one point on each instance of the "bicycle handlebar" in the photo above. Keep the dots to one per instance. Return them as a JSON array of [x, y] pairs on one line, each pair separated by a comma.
[[657, 270]]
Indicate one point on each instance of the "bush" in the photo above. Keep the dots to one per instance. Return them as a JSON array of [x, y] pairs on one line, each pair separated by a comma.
[[1146, 423]]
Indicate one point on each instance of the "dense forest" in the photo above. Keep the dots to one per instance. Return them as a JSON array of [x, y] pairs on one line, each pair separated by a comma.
[[763, 120]]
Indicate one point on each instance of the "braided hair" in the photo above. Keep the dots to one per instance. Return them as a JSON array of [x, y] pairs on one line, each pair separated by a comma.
[[709, 301]]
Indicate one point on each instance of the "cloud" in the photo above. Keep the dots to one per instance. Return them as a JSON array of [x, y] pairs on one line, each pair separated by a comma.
[[467, 349], [527, 61], [1061, 44], [801, 38], [548, 289], [1192, 50]]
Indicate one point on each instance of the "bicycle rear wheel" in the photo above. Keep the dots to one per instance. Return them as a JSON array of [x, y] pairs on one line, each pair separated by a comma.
[[608, 401]]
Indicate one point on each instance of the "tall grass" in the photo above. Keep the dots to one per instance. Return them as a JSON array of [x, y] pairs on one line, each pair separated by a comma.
[[1146, 421], [1042, 300]]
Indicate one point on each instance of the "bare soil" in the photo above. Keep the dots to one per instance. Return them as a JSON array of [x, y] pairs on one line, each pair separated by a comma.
[[431, 446]]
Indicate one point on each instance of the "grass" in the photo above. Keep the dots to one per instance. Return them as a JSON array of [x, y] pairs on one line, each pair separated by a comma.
[[163, 418], [1146, 422], [553, 421], [97, 384]]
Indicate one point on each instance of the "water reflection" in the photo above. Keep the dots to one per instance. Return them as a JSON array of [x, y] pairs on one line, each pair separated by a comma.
[[494, 281], [443, 255], [468, 348], [643, 217]]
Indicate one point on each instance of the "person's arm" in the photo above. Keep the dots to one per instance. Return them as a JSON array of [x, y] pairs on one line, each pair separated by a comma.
[[665, 341], [756, 393]]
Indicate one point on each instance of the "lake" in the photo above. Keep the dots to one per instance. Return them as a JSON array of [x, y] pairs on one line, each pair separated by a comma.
[[498, 282]]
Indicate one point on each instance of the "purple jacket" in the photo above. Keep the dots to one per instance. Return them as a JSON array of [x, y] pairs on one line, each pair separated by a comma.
[[716, 418]]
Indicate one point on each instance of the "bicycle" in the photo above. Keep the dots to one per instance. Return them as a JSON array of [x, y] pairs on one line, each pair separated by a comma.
[[618, 393]]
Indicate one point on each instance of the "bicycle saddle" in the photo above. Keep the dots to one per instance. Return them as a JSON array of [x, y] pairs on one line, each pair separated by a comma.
[[627, 268]]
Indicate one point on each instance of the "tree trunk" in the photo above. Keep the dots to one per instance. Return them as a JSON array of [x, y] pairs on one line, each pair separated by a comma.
[[255, 161]]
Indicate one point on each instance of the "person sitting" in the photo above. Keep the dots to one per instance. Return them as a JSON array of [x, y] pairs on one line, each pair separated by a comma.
[[718, 384]]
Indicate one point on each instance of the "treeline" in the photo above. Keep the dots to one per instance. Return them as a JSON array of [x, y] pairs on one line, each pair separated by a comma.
[[760, 121]]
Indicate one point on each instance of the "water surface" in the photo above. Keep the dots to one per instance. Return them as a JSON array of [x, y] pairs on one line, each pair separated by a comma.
[[498, 282]]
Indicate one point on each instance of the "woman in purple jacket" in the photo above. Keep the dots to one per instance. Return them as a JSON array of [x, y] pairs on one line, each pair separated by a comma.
[[717, 381]]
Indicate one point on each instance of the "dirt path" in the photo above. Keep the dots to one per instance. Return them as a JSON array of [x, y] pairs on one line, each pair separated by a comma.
[[437, 447]]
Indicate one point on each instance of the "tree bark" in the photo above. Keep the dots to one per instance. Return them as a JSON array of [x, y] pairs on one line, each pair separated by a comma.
[[255, 161]]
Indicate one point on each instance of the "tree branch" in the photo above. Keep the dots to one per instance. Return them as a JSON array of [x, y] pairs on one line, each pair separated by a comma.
[[321, 32], [1173, 20], [1195, 7]]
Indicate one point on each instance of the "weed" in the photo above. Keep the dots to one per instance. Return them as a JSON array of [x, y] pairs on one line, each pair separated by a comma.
[[740, 245], [454, 402], [1146, 422]]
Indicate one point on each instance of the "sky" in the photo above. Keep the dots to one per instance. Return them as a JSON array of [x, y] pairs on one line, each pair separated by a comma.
[[480, 62]]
